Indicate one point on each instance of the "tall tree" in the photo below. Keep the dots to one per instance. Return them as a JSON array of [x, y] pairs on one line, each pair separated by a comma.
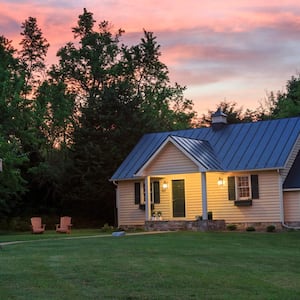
[[50, 109], [33, 54], [122, 92], [12, 119]]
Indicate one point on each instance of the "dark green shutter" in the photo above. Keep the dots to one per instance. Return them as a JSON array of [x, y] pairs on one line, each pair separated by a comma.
[[254, 186], [156, 192], [231, 188], [137, 193]]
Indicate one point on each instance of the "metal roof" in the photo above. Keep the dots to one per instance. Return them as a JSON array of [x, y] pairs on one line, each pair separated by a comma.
[[201, 152], [235, 147]]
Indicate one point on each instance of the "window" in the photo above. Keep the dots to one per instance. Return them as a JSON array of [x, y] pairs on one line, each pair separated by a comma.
[[140, 194], [241, 188]]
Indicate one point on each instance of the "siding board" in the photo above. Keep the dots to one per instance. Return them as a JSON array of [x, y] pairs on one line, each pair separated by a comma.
[[291, 201], [264, 209], [128, 212], [171, 161]]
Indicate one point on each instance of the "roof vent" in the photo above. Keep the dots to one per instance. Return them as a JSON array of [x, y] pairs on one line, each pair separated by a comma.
[[219, 119]]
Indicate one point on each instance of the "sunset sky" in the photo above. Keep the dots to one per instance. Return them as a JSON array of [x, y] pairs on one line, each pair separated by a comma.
[[233, 50]]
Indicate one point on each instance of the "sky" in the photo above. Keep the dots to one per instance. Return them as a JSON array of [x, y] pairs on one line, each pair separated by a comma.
[[221, 50]]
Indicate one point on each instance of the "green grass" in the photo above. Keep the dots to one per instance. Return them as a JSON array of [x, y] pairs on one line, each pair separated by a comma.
[[181, 265]]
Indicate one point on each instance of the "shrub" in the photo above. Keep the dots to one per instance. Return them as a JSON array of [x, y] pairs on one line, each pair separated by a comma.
[[107, 228], [19, 224], [271, 228], [231, 227], [250, 228]]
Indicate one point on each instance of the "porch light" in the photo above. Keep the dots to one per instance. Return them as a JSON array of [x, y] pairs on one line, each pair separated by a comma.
[[164, 186], [220, 181]]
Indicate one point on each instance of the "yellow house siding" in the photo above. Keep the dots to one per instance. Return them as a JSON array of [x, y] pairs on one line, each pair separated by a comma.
[[164, 205], [128, 212], [264, 209], [193, 196], [291, 201], [193, 202], [171, 161]]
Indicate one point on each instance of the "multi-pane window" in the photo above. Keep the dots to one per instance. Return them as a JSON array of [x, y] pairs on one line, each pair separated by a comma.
[[140, 192], [243, 187]]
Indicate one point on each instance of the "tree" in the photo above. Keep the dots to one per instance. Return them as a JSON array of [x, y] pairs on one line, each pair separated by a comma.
[[122, 92], [12, 183], [54, 109], [33, 54], [287, 104], [234, 114], [48, 123]]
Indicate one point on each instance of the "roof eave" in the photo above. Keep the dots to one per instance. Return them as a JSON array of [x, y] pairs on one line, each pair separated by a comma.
[[297, 189]]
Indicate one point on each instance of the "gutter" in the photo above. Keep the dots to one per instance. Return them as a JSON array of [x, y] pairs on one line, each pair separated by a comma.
[[282, 205]]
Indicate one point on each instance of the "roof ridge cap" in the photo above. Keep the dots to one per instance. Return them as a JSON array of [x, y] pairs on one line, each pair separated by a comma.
[[187, 138]]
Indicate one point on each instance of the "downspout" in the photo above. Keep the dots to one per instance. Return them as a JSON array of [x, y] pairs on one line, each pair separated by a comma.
[[282, 205]]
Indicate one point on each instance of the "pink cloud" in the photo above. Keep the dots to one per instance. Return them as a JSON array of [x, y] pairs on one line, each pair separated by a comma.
[[218, 48]]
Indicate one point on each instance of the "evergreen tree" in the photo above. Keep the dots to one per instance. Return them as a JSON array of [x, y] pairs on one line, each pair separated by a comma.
[[32, 55]]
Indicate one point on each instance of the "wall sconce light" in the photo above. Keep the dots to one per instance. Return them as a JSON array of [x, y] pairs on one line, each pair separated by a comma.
[[220, 181], [164, 185]]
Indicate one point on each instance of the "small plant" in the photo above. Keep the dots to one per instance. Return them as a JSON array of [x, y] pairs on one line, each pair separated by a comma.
[[271, 228], [107, 228], [159, 213], [250, 228], [231, 227]]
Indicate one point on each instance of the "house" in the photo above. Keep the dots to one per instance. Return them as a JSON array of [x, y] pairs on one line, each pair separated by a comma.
[[246, 173]]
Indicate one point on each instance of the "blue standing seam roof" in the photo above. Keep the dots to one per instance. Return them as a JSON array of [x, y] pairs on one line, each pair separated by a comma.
[[235, 147], [200, 150]]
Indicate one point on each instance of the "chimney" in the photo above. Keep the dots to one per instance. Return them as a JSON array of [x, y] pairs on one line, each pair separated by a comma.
[[218, 119]]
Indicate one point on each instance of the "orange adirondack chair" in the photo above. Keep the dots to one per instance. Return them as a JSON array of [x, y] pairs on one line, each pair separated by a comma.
[[65, 225], [36, 225]]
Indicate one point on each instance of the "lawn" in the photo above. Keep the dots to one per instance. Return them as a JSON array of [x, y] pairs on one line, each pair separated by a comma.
[[176, 265]]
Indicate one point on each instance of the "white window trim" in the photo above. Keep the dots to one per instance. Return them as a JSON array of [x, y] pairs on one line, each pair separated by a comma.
[[143, 192], [237, 190]]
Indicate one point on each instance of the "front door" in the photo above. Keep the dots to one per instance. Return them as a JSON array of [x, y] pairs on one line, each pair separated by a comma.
[[178, 197]]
